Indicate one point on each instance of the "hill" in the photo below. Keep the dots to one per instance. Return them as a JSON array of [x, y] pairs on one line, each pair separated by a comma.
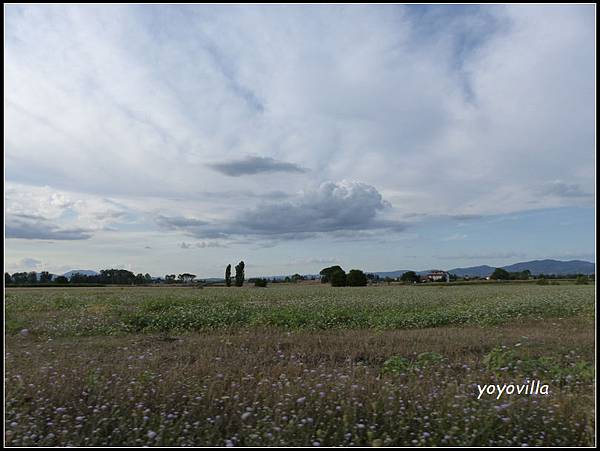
[[536, 267]]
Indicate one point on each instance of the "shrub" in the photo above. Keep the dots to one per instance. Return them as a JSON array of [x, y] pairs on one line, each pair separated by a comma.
[[542, 281], [260, 283], [581, 280]]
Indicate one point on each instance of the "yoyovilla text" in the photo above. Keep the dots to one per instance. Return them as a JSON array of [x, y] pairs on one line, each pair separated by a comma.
[[531, 388]]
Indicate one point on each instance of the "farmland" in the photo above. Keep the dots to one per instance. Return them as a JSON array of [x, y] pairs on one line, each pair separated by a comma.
[[298, 365]]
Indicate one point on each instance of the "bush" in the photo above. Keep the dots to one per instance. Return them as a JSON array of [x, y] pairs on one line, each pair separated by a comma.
[[356, 278], [260, 283], [542, 281], [581, 280]]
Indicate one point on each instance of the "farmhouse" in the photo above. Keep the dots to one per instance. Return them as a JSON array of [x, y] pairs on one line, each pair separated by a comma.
[[438, 276]]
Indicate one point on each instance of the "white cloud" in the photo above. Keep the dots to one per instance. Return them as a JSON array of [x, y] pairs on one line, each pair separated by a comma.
[[115, 114]]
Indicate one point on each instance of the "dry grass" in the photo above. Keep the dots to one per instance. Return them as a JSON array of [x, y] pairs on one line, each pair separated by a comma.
[[273, 387]]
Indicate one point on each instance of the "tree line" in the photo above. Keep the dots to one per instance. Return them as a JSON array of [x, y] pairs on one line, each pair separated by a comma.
[[106, 276]]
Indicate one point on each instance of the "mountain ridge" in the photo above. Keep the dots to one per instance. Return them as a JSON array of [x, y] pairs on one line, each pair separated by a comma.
[[545, 266]]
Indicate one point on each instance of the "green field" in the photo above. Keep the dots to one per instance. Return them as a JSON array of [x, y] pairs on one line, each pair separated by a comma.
[[298, 365]]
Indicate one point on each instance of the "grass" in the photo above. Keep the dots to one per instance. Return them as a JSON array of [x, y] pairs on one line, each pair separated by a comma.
[[113, 311], [299, 365]]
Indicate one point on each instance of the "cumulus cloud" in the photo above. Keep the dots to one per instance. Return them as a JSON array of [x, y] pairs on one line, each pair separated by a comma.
[[345, 206], [251, 165]]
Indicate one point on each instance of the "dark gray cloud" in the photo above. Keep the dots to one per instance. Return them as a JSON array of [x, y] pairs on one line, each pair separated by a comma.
[[178, 222], [31, 227], [255, 165], [566, 190], [343, 207]]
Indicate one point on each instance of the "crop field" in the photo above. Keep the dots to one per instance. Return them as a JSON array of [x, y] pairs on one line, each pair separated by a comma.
[[299, 365]]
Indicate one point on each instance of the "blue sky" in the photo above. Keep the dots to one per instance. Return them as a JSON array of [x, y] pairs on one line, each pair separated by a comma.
[[166, 139]]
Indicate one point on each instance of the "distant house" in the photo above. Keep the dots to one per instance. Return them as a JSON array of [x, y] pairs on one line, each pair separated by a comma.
[[438, 276]]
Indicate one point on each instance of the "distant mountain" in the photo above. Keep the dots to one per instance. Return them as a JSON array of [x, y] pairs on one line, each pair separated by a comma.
[[535, 266], [83, 272], [554, 267], [473, 271]]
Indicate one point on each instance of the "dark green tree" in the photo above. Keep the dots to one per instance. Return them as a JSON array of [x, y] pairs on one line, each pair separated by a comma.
[[61, 280], [500, 274], [32, 277], [338, 279], [239, 274], [228, 275], [326, 273], [19, 277], [45, 277], [7, 278], [409, 276], [356, 278]]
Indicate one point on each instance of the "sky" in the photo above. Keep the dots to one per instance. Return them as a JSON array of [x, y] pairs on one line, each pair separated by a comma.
[[170, 139]]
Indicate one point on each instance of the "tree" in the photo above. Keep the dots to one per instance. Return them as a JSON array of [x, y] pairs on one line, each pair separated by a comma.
[[61, 280], [186, 277], [356, 278], [409, 276], [7, 278], [338, 279], [19, 277], [239, 274], [170, 278], [116, 276], [228, 275], [32, 277], [500, 274], [45, 277], [296, 277], [326, 273], [147, 278]]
